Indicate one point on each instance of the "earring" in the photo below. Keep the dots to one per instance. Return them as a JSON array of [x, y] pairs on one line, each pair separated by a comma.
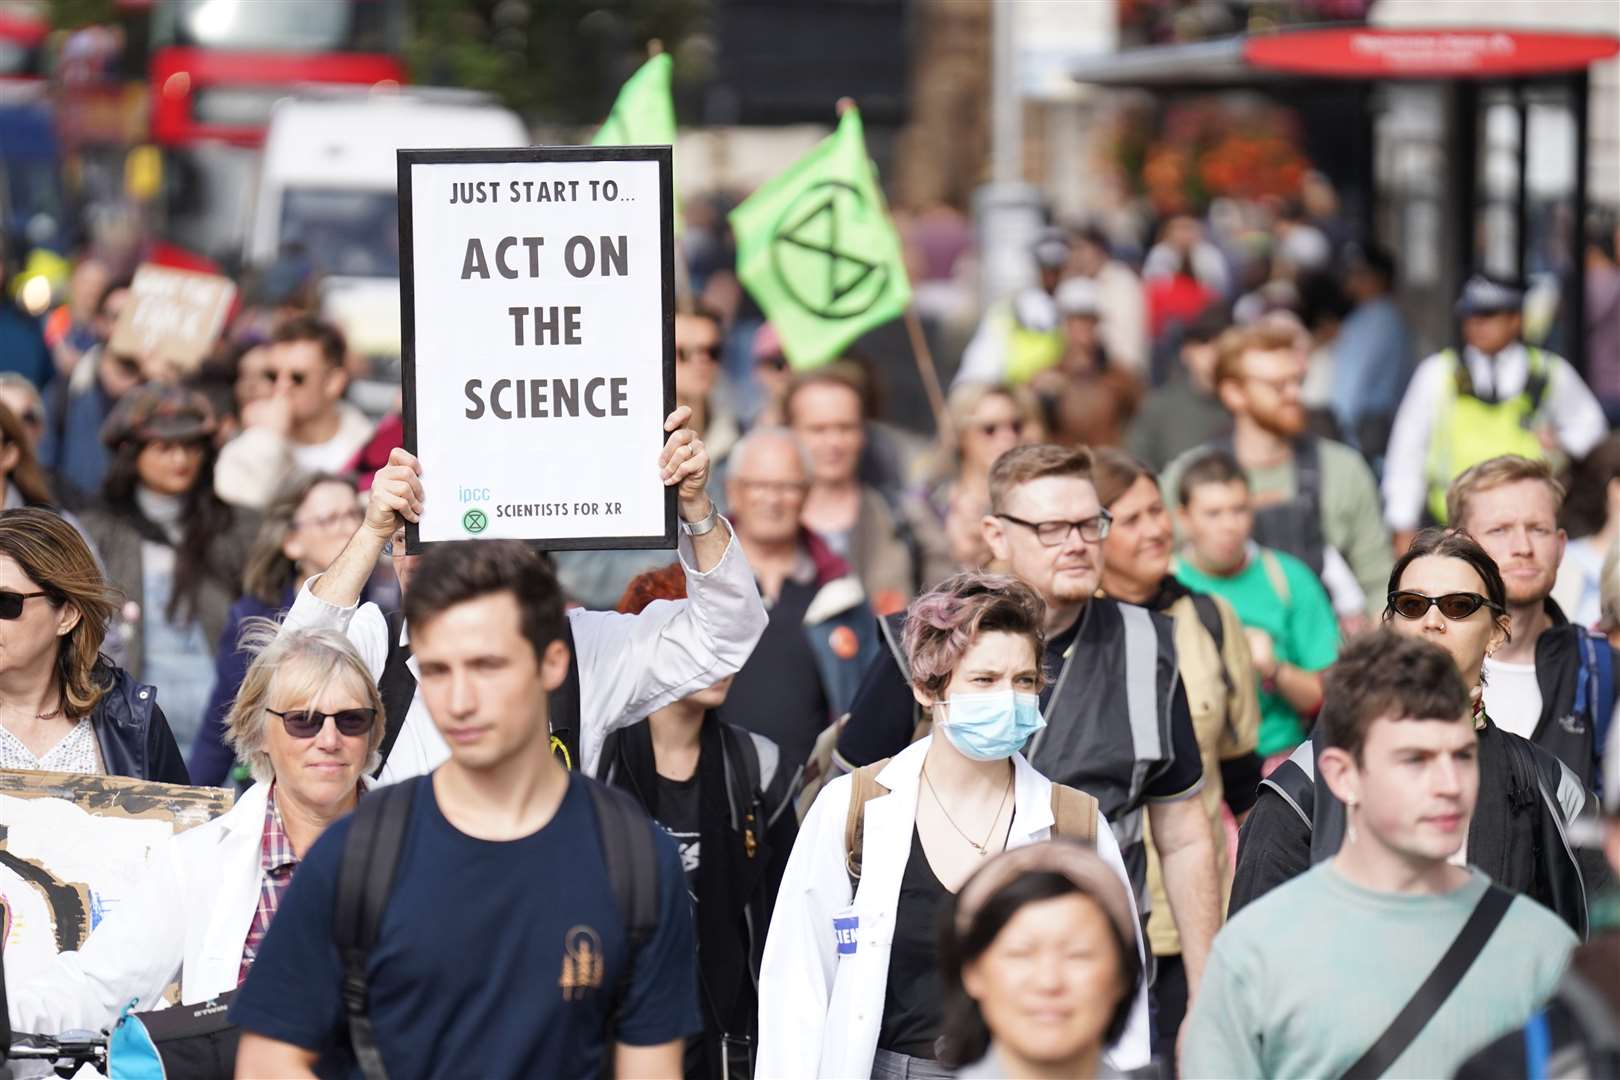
[[1350, 829]]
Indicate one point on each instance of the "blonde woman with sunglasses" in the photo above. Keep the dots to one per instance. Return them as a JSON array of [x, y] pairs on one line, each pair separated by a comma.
[[307, 723]]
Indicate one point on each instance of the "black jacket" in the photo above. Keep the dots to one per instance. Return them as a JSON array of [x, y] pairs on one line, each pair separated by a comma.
[[133, 734], [1560, 731], [1516, 836], [1579, 1027], [746, 832]]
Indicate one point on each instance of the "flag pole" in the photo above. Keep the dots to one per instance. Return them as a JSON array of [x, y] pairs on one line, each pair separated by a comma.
[[920, 352], [683, 280], [930, 375]]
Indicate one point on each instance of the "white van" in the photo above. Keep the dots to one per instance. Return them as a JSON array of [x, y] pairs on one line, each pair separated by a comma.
[[327, 185]]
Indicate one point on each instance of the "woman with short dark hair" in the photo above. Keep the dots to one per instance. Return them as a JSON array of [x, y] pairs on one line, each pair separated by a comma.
[[1038, 954]]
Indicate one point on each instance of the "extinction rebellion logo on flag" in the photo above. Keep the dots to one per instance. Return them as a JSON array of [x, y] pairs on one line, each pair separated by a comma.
[[824, 278]]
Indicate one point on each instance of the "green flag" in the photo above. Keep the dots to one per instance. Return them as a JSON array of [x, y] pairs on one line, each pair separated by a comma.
[[817, 250], [644, 112]]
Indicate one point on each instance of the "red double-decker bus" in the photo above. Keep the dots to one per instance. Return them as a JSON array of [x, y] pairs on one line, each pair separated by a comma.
[[218, 66]]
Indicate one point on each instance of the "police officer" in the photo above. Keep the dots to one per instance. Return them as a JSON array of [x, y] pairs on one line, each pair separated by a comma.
[[1500, 396], [1021, 335]]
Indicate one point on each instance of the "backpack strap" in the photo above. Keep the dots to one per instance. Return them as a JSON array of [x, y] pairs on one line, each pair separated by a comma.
[[1296, 785], [1308, 471], [631, 855], [1537, 378], [892, 628], [743, 795], [1074, 815], [562, 708], [863, 788], [365, 878], [397, 686], [1209, 615], [1406, 1026], [1594, 697], [1275, 574]]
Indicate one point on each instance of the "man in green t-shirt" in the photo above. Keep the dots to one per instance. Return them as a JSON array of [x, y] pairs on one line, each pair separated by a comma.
[[1292, 631], [1307, 980]]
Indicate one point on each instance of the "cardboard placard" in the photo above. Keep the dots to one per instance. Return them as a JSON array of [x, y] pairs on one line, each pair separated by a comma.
[[173, 317], [537, 319], [72, 847]]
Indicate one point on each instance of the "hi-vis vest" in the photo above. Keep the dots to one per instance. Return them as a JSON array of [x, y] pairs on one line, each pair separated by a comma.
[[1029, 352], [1470, 429]]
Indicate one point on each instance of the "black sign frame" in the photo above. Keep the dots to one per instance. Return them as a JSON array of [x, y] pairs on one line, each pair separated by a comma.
[[664, 157]]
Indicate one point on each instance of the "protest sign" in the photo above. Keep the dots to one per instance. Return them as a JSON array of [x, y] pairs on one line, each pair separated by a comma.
[[72, 847], [172, 317], [538, 330]]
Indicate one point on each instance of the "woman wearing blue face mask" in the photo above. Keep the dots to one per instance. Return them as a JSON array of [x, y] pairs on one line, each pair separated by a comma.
[[849, 985]]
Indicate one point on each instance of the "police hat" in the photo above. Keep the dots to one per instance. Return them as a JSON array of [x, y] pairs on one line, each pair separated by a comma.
[[1483, 295], [156, 413], [1051, 249]]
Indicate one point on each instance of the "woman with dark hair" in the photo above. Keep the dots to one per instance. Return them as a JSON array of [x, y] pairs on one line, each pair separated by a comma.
[[63, 706], [171, 546], [726, 797], [1038, 956], [1447, 590], [303, 530], [850, 981]]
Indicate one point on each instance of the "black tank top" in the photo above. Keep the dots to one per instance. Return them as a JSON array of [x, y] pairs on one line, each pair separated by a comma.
[[912, 1001]]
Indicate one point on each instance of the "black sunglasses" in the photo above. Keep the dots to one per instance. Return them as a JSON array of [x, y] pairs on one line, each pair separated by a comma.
[[1454, 606], [11, 603], [307, 723]]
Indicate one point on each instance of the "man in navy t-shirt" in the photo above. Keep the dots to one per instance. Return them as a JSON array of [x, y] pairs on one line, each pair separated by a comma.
[[501, 943]]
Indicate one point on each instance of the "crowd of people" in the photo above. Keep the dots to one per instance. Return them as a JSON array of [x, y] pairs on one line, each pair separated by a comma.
[[1158, 718]]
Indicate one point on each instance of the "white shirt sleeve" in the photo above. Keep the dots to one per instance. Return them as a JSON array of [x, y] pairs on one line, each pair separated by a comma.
[[1406, 459], [631, 665], [364, 625], [251, 467], [1577, 417]]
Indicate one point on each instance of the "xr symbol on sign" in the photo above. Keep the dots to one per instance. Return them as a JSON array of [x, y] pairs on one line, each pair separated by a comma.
[[474, 521], [822, 276]]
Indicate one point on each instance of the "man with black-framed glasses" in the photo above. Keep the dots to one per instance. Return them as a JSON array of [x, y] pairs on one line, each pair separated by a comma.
[[1117, 721]]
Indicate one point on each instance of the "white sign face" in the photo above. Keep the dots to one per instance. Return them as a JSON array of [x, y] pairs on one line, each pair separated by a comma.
[[74, 848], [538, 323]]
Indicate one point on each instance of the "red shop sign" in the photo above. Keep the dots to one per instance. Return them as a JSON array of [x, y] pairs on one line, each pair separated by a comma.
[[1364, 52]]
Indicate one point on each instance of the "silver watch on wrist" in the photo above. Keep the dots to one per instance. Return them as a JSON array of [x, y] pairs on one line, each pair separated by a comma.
[[702, 525]]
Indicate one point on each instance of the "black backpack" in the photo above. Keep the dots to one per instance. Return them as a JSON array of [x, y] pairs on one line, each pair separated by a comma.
[[366, 876]]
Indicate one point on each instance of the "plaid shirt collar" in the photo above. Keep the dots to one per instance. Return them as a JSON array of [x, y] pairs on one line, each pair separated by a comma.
[[276, 850]]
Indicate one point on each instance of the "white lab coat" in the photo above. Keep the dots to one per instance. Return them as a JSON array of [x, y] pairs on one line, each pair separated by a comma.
[[190, 917], [629, 665], [819, 1013]]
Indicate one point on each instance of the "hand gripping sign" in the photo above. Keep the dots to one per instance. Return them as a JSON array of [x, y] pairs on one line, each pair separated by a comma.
[[537, 310]]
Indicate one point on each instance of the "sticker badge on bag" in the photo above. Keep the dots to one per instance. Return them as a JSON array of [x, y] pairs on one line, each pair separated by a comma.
[[846, 928]]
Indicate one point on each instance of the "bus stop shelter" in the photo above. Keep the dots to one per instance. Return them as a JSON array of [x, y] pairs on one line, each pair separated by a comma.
[[1457, 149]]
